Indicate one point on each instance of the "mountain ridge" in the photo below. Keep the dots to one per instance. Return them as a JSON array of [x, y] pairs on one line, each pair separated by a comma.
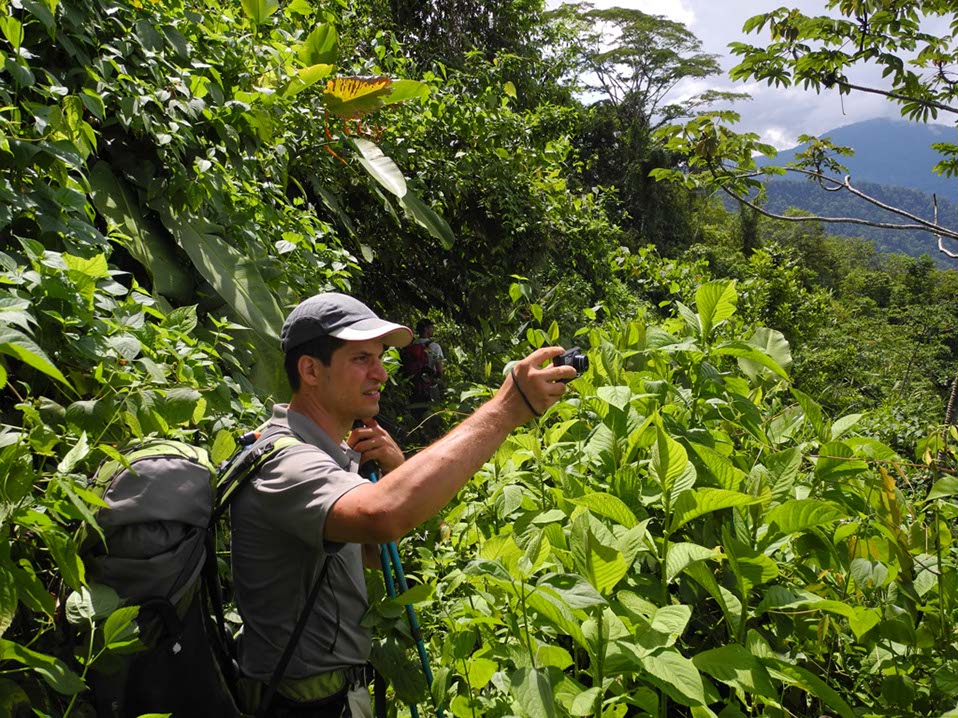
[[892, 163], [889, 152]]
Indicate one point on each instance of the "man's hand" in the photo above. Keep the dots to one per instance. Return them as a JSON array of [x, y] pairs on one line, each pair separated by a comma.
[[375, 444], [531, 388]]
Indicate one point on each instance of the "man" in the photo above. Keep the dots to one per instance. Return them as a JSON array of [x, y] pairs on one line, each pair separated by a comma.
[[422, 363], [308, 505], [434, 357]]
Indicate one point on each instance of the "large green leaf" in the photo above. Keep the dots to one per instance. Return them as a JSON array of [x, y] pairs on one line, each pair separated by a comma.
[[697, 502], [671, 620], [380, 167], [669, 460], [947, 486], [729, 476], [729, 603], [16, 311], [115, 201], [32, 593], [783, 468], [66, 556], [306, 77], [19, 345], [752, 568], [603, 565], [8, 599], [480, 671], [807, 681], [735, 666], [235, 277], [842, 425], [91, 603], [836, 460], [743, 350], [864, 620], [676, 675], [683, 555], [489, 568], [617, 396], [552, 609], [259, 11], [321, 46], [574, 590], [417, 594], [533, 691], [52, 670], [772, 343], [402, 90], [120, 624], [800, 515], [813, 414], [715, 302], [428, 218], [607, 505]]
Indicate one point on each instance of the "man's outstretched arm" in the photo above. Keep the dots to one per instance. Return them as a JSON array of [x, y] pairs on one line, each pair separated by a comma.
[[417, 489]]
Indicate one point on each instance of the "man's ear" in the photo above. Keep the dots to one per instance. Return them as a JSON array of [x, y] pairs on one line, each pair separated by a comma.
[[308, 369]]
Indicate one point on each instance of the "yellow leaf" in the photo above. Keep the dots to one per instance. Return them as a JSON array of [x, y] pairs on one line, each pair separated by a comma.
[[353, 97]]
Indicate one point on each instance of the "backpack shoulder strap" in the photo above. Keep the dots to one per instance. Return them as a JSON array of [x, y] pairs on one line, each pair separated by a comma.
[[248, 463]]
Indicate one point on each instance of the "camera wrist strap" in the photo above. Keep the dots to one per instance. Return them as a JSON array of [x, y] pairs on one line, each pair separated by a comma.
[[512, 373]]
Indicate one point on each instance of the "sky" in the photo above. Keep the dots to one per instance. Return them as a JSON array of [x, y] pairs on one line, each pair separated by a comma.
[[779, 116]]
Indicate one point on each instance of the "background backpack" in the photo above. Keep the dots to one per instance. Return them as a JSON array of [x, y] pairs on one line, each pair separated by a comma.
[[416, 366], [415, 359], [159, 554]]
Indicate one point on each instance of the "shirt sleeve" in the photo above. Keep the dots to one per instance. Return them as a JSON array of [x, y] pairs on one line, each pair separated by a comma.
[[436, 350], [298, 488]]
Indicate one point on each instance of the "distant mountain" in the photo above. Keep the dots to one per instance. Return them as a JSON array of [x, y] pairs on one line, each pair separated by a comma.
[[812, 198], [892, 163], [891, 152]]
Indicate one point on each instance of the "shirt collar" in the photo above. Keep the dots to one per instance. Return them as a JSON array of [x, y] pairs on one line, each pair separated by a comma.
[[308, 431]]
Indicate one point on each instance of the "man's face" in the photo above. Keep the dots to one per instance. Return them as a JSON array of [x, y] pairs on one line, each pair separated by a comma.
[[349, 386]]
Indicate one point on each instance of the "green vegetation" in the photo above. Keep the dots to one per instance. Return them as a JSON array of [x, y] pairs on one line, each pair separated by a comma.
[[743, 509]]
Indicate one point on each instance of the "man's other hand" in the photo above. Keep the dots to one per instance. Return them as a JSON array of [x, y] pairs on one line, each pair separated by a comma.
[[375, 444]]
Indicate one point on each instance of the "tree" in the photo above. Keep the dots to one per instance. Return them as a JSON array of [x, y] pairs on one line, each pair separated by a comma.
[[649, 55], [820, 53]]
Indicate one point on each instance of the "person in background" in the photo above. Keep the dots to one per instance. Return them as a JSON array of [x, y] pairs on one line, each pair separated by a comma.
[[425, 329], [423, 365]]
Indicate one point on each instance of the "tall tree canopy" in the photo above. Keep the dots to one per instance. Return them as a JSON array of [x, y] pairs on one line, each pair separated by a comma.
[[919, 72]]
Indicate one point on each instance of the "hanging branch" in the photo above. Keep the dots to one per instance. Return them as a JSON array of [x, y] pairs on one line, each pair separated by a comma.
[[922, 225]]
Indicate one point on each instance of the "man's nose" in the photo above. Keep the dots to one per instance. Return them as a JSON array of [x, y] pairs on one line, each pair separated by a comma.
[[379, 371]]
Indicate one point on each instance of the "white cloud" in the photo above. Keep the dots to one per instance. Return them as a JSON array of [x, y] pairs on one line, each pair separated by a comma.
[[776, 114], [678, 10], [778, 137]]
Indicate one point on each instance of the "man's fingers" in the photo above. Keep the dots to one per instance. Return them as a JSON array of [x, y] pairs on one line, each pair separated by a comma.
[[555, 373], [542, 355]]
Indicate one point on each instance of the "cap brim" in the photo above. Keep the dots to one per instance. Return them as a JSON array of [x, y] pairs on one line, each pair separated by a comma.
[[394, 335]]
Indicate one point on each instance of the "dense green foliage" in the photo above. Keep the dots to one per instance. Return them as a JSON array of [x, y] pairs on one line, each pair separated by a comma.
[[738, 510]]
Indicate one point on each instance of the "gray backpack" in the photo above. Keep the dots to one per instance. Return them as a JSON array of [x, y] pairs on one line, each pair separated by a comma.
[[160, 555]]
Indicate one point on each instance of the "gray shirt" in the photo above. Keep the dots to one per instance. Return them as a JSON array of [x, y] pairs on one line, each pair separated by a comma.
[[277, 525]]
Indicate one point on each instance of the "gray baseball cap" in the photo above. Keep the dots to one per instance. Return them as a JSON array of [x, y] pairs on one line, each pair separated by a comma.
[[340, 316]]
